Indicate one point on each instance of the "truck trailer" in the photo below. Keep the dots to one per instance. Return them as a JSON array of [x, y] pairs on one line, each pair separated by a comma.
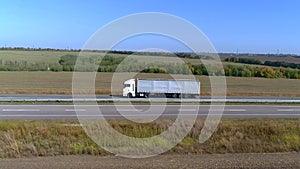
[[168, 88]]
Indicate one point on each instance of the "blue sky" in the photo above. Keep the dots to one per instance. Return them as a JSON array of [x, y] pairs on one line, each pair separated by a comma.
[[252, 26]]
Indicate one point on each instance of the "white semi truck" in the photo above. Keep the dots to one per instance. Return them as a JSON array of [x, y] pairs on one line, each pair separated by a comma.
[[168, 88]]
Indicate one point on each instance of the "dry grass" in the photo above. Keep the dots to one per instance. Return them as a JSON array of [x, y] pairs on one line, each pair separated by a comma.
[[61, 83], [48, 138]]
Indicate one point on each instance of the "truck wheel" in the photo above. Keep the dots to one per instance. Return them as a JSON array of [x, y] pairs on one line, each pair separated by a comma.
[[129, 95]]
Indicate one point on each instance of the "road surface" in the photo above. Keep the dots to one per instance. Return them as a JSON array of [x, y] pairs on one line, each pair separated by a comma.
[[22, 112], [69, 98], [276, 160]]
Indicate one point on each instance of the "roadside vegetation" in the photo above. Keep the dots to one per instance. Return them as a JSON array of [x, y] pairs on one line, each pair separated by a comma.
[[66, 137]]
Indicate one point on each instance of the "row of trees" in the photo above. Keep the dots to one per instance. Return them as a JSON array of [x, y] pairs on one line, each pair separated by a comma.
[[243, 60], [266, 63], [229, 70], [179, 54], [265, 72], [282, 64], [223, 55]]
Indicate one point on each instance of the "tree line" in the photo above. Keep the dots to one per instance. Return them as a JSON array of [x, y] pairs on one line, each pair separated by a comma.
[[266, 63], [128, 52]]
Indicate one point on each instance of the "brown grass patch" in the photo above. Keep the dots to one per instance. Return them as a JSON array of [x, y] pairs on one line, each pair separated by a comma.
[[48, 138]]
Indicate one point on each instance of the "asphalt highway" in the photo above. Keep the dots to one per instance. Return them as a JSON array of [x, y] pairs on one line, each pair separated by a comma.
[[117, 98], [22, 112], [57, 96]]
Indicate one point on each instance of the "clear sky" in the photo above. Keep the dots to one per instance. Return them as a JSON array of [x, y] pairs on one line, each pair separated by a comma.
[[254, 26]]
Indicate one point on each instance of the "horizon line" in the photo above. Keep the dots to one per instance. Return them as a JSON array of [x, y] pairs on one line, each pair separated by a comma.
[[136, 51]]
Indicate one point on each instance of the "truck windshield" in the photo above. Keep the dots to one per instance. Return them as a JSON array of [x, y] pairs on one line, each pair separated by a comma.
[[126, 85]]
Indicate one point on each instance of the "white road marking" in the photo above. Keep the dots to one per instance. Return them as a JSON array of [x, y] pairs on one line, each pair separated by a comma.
[[71, 110], [14, 110], [288, 109], [235, 110], [122, 110], [186, 110], [285, 109]]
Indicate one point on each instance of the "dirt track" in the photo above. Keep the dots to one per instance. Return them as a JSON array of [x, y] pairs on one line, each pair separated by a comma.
[[280, 160]]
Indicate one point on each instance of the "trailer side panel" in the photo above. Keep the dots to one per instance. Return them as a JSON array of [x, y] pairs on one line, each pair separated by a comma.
[[168, 86]]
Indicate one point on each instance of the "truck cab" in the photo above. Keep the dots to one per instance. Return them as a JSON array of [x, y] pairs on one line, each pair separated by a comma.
[[129, 88]]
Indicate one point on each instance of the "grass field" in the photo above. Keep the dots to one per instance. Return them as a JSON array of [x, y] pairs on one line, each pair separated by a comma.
[[52, 57], [33, 56], [61, 83], [48, 138]]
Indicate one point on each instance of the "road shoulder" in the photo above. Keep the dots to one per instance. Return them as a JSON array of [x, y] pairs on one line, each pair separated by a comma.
[[268, 160]]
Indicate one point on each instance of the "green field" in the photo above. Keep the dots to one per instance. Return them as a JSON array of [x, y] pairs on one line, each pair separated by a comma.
[[49, 138], [52, 57], [61, 83]]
